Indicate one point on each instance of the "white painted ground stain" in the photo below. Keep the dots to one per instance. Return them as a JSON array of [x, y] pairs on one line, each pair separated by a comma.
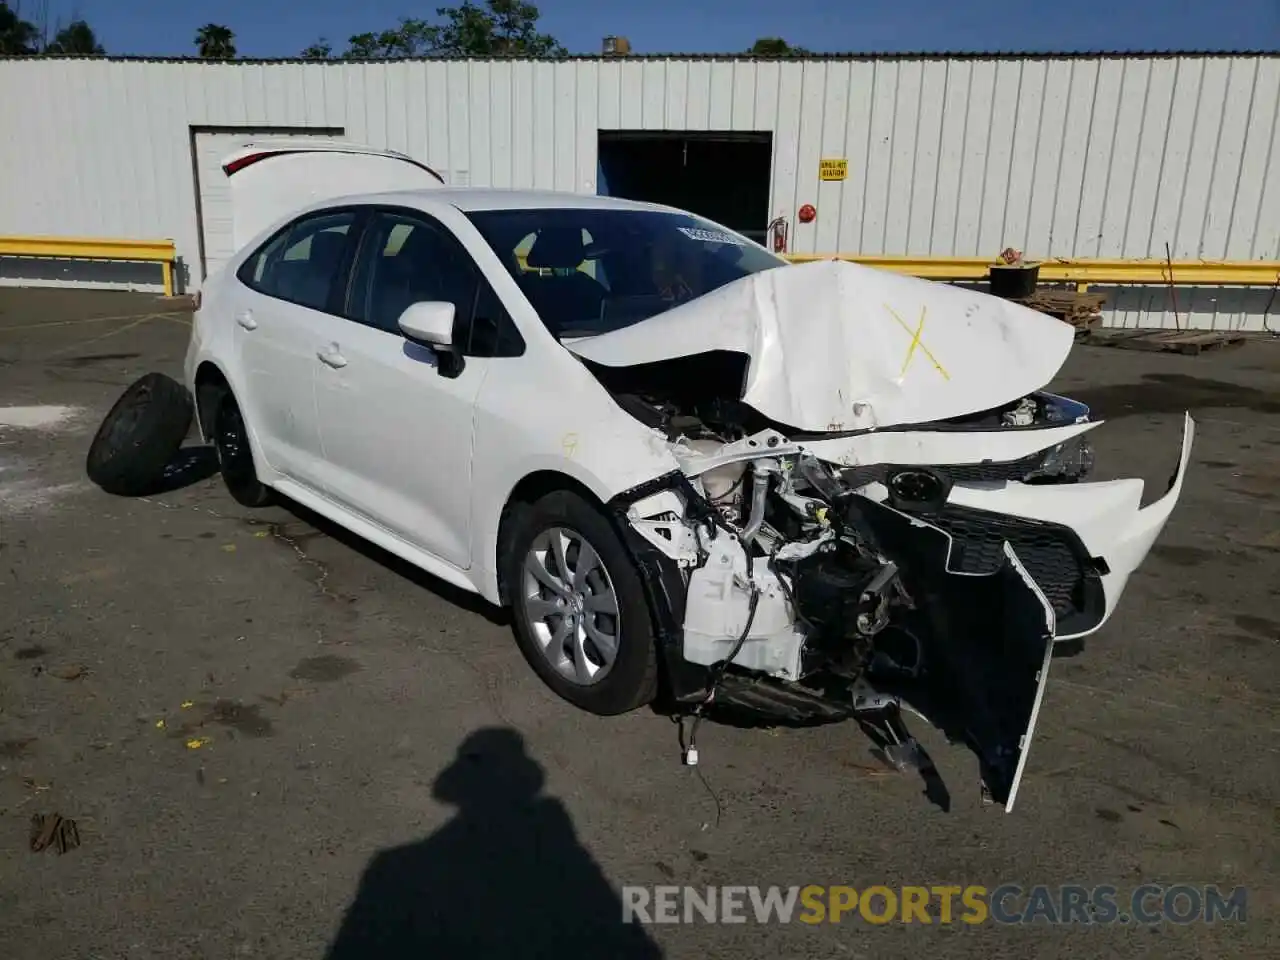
[[23, 492], [37, 418]]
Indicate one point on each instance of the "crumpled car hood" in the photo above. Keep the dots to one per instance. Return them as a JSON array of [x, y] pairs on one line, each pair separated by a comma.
[[836, 346]]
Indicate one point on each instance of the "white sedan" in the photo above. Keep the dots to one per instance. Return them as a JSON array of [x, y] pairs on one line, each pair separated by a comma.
[[685, 464]]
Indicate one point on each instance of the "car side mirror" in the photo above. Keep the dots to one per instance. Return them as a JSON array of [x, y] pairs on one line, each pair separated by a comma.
[[429, 323]]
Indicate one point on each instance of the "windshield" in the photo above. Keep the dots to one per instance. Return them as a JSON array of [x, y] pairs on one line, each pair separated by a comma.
[[589, 271]]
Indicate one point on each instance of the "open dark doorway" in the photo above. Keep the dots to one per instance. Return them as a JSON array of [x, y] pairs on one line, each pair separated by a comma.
[[724, 177]]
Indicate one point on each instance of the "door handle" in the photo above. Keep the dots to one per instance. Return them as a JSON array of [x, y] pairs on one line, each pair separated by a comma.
[[332, 357], [245, 319]]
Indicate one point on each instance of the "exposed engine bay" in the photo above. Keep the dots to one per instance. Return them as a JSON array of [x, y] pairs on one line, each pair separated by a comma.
[[855, 521], [818, 592], [686, 398], [801, 611]]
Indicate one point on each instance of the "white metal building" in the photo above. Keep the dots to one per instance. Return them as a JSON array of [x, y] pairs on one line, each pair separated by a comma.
[[1066, 156]]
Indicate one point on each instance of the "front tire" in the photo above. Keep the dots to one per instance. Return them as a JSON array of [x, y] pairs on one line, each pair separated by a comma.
[[235, 456], [578, 607]]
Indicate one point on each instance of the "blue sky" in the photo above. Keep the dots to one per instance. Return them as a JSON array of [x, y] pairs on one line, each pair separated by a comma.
[[280, 28]]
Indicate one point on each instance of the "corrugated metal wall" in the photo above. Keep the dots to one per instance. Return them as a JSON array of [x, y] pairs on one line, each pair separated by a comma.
[[1073, 156]]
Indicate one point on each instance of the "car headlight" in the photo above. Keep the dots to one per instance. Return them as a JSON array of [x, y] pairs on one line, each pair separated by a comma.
[[1063, 409], [1070, 460]]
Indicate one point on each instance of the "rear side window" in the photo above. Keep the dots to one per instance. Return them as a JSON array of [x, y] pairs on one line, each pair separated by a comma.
[[302, 263]]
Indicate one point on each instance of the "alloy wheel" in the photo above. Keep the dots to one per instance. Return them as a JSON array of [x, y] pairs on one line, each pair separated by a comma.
[[569, 603]]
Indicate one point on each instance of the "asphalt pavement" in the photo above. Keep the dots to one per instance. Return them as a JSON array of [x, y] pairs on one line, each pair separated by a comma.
[[269, 733]]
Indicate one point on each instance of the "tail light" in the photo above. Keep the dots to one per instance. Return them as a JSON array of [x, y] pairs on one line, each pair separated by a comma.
[[241, 162]]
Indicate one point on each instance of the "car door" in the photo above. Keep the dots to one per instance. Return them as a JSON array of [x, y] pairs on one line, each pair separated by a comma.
[[284, 289], [396, 417]]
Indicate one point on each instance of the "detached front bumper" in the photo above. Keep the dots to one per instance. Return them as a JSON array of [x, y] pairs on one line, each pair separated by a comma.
[[1104, 520]]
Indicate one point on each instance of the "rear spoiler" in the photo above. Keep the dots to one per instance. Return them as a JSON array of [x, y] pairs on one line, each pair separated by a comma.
[[252, 153]]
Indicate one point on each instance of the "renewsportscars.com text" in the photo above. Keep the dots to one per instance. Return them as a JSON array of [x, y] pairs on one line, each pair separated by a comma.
[[1148, 903]]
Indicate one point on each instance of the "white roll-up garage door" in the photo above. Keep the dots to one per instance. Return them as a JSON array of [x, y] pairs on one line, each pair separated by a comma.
[[213, 189]]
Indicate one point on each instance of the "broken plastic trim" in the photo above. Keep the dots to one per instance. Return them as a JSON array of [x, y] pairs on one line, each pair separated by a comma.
[[991, 640], [1060, 411], [1053, 552], [664, 583]]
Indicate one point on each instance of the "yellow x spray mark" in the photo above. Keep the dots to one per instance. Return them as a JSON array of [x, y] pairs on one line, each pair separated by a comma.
[[916, 343]]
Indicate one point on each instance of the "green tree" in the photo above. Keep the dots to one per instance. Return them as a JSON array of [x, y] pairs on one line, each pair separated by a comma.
[[75, 39], [410, 38], [17, 36], [499, 28], [496, 28], [775, 47], [320, 50], [216, 42]]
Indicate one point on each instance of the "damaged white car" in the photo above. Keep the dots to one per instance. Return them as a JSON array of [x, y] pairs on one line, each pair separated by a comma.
[[684, 464]]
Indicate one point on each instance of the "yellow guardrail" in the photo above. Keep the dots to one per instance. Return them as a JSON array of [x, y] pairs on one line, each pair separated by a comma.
[[1082, 272], [162, 252], [1209, 273]]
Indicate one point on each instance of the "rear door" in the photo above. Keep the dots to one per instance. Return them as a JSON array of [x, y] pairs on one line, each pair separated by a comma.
[[285, 290]]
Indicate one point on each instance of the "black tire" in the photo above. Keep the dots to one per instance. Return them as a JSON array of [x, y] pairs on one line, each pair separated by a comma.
[[140, 436], [632, 680], [235, 456]]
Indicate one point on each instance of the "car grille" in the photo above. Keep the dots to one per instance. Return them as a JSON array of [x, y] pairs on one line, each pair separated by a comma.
[[1007, 470], [1011, 470], [1052, 554]]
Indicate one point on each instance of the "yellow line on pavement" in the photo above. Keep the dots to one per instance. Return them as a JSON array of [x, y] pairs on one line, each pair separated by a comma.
[[67, 323], [110, 333]]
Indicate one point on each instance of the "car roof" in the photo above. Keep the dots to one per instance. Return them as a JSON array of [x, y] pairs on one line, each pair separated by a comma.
[[475, 199]]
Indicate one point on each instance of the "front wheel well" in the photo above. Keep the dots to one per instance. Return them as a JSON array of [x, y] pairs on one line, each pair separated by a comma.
[[531, 489], [210, 385]]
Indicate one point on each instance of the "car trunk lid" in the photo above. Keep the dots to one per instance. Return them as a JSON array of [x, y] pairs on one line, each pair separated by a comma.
[[271, 179]]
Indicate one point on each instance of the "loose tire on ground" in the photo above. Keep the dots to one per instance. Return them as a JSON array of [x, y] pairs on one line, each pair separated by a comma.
[[632, 678], [140, 436], [235, 456]]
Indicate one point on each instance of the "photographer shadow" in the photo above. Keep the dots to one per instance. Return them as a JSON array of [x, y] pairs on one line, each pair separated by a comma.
[[506, 877]]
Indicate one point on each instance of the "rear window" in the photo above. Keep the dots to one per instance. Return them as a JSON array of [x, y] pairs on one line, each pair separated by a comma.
[[590, 271]]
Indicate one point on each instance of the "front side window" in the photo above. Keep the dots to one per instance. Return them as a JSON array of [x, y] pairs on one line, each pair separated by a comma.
[[588, 271], [301, 263], [408, 258]]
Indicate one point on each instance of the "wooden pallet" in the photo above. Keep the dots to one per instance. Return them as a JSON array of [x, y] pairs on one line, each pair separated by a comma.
[[1192, 342], [1082, 310]]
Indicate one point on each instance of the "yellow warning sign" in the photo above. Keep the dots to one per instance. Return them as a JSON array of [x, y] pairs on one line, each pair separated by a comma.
[[833, 169]]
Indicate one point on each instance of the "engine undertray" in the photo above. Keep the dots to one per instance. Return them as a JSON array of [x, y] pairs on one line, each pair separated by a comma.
[[756, 702]]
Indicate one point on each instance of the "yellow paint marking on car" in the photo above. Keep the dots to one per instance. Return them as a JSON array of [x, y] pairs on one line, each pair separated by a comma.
[[916, 342]]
